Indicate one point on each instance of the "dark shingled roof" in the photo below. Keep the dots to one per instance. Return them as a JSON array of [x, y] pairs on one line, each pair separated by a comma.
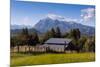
[[58, 41]]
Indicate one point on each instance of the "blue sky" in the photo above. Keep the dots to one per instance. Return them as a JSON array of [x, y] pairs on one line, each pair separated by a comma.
[[29, 13]]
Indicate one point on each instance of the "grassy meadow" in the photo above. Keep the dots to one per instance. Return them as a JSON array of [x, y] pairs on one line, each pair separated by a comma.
[[19, 59]]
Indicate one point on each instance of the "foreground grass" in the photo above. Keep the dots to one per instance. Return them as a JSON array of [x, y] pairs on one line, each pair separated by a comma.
[[29, 59]]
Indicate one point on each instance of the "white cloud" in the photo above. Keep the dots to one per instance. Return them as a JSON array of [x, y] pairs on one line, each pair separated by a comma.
[[25, 20], [87, 14]]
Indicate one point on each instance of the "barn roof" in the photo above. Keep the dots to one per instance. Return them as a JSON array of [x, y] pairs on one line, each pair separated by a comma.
[[58, 41]]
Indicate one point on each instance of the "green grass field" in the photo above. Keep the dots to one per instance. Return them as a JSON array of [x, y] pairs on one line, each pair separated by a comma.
[[18, 59]]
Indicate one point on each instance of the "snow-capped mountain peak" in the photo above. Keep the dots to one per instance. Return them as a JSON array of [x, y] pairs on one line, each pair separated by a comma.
[[59, 18], [55, 17]]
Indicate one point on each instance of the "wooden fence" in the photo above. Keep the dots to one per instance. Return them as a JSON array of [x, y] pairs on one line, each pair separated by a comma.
[[28, 48]]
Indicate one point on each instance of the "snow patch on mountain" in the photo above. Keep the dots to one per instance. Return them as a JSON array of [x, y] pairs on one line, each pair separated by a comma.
[[60, 18], [55, 17]]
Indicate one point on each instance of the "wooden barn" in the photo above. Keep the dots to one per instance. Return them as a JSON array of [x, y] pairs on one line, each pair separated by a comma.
[[57, 44]]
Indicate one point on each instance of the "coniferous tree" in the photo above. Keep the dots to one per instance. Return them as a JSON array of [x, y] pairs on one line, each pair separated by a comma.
[[36, 38], [58, 32], [23, 37], [52, 33], [75, 33], [81, 42]]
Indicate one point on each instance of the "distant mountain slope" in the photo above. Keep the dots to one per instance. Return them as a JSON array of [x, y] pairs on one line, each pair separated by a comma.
[[57, 21], [18, 31], [19, 26]]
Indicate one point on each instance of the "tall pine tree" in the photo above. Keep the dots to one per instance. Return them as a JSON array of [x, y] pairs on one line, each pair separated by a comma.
[[58, 32]]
